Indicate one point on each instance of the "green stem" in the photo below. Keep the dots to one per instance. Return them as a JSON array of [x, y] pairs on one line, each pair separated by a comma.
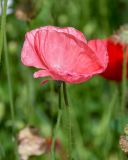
[[124, 81], [65, 94], [2, 27], [57, 123], [10, 93], [68, 123], [31, 98]]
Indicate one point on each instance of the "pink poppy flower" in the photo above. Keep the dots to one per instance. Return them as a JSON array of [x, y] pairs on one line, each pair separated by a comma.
[[63, 54]]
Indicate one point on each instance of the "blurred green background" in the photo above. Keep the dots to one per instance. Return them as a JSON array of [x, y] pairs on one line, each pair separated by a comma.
[[96, 118]]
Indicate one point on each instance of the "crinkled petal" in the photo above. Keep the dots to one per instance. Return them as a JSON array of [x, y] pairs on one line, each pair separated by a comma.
[[76, 79], [29, 56], [69, 30], [100, 49], [41, 73], [63, 52]]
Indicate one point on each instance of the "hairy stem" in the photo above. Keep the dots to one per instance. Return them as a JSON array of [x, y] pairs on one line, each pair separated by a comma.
[[57, 123], [68, 123]]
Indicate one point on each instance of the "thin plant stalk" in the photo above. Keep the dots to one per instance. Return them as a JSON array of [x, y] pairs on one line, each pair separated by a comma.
[[31, 98], [65, 94], [2, 26], [10, 88], [124, 81], [68, 123], [57, 124], [9, 82]]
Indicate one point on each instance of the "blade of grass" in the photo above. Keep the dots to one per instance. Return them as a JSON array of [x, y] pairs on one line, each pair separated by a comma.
[[124, 81], [2, 27], [103, 131]]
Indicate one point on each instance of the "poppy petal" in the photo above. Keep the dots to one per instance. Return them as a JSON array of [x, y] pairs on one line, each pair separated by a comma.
[[69, 30], [41, 73], [99, 47], [63, 52], [29, 55]]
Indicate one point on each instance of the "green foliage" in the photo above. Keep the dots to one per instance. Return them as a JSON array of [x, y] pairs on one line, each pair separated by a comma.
[[96, 119]]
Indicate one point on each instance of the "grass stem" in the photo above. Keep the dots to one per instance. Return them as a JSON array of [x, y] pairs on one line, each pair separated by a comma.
[[3, 24], [124, 82], [10, 88]]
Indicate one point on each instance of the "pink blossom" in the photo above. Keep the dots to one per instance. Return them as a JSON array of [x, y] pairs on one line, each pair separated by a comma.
[[63, 54]]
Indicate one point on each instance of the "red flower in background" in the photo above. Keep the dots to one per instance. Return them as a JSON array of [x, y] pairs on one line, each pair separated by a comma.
[[63, 54], [115, 54]]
